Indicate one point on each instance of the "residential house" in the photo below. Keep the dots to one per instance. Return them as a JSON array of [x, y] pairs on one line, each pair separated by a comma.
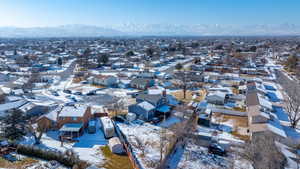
[[143, 110], [217, 97], [11, 105], [49, 121], [141, 83], [73, 119], [260, 116], [124, 83], [103, 80], [150, 105], [34, 109]]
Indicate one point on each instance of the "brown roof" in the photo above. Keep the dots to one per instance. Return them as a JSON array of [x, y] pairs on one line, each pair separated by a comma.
[[102, 76]]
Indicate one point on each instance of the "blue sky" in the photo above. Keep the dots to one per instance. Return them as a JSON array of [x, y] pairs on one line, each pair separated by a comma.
[[30, 13]]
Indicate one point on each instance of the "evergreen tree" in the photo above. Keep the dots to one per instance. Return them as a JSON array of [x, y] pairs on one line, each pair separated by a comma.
[[178, 66], [14, 124], [103, 59], [129, 53], [59, 61]]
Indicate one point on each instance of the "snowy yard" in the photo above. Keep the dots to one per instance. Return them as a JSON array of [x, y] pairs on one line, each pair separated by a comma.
[[149, 138], [195, 156], [88, 146]]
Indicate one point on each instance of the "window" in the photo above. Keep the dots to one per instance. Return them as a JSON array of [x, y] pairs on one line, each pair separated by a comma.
[[74, 118]]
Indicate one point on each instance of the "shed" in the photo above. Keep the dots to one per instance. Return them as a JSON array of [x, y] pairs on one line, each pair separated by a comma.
[[116, 146]]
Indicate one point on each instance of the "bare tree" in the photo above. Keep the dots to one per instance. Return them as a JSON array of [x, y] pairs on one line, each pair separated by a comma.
[[34, 77], [140, 145], [117, 108], [183, 111], [37, 132], [262, 152], [293, 106]]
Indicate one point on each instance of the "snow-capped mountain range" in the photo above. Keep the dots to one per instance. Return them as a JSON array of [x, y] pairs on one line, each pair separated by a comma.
[[150, 29]]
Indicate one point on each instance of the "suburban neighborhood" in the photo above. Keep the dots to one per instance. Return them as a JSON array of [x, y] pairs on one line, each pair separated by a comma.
[[147, 84], [153, 103]]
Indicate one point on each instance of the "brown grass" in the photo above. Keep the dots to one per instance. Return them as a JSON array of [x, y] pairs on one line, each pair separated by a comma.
[[237, 122], [235, 91], [242, 137], [189, 95], [24, 163], [114, 161], [98, 86]]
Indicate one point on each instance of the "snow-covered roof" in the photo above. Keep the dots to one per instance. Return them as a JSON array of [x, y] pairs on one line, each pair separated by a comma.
[[11, 105], [52, 115], [106, 122], [97, 109], [71, 127], [217, 94], [264, 103], [73, 111], [276, 128], [146, 105]]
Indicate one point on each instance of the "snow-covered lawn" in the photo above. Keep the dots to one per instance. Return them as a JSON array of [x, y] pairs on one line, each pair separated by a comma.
[[149, 136], [222, 136], [88, 146], [195, 156]]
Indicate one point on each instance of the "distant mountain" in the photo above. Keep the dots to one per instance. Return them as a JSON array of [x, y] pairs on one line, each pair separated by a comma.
[[149, 30], [60, 31], [208, 30]]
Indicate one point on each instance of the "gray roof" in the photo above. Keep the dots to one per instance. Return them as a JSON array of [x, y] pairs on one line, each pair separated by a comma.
[[52, 115], [141, 81], [12, 105], [151, 98]]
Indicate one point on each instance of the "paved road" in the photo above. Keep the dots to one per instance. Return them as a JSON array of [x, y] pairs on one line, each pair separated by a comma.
[[68, 72], [64, 75], [171, 69]]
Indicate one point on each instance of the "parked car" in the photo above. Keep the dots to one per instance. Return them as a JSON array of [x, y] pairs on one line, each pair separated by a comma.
[[215, 148], [91, 93], [55, 93], [77, 93], [67, 91], [70, 104], [155, 120]]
